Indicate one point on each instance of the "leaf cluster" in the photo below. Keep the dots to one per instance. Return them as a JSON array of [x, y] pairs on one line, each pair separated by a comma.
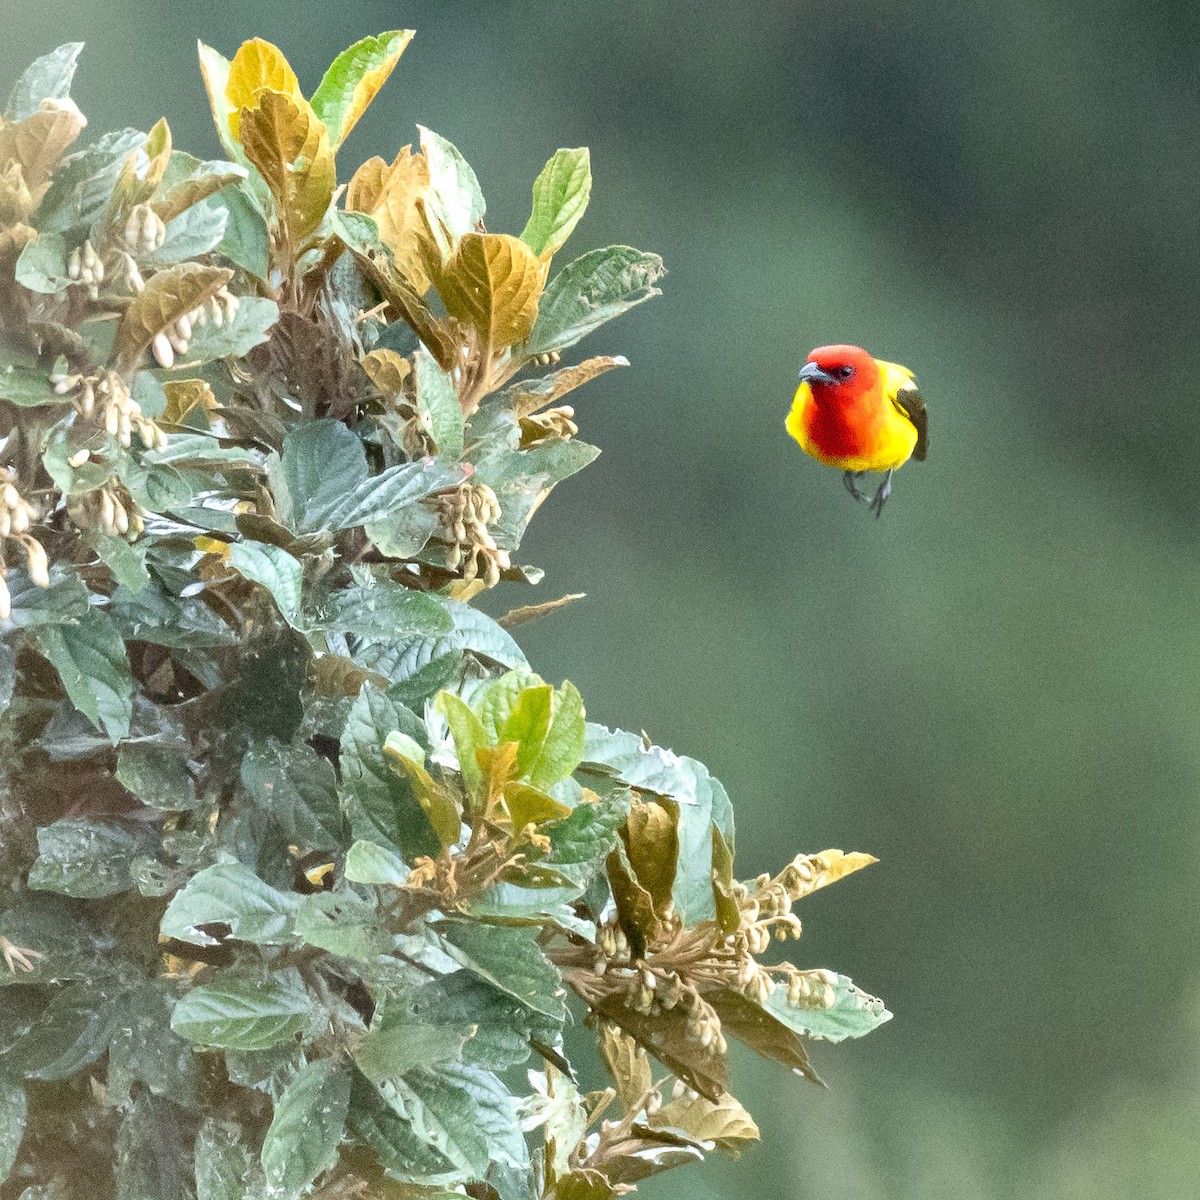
[[306, 870]]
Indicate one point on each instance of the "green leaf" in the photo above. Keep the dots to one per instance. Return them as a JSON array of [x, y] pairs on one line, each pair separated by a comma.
[[157, 776], [581, 842], [12, 1122], [83, 183], [46, 78], [275, 569], [229, 894], [560, 198], [196, 231], [250, 326], [469, 736], [343, 924], [223, 1163], [65, 600], [320, 461], [382, 807], [303, 1137], [247, 240], [143, 1050], [71, 1033], [155, 616], [42, 266], [150, 1152], [388, 492], [496, 1110], [562, 749], [527, 724], [91, 661], [86, 859], [853, 1013], [499, 698], [454, 192], [384, 609], [367, 862], [590, 291], [408, 1032], [437, 402], [261, 697], [390, 1134], [508, 959], [126, 562], [8, 675], [479, 633], [444, 1116], [299, 788], [242, 1014], [354, 78], [26, 385]]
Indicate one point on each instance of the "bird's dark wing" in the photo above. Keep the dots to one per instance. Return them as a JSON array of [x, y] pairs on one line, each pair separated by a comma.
[[912, 404]]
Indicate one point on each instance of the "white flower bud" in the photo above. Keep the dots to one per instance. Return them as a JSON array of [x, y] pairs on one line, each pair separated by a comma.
[[164, 352], [5, 600], [79, 457], [39, 566], [74, 265]]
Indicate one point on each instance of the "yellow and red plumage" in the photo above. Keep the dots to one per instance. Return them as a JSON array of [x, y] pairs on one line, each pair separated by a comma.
[[858, 413]]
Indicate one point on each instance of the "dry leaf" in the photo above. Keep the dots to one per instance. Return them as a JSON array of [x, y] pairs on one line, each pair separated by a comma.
[[629, 1065], [492, 284], [388, 194], [168, 295], [257, 66], [651, 837], [530, 395], [531, 612], [189, 192], [285, 140], [38, 142], [724, 1122], [387, 370], [186, 395]]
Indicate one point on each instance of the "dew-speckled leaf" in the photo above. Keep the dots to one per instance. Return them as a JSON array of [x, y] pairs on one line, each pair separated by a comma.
[[46, 78], [12, 1122], [299, 789], [274, 568], [353, 80], [92, 664], [242, 1014], [303, 1137], [229, 894]]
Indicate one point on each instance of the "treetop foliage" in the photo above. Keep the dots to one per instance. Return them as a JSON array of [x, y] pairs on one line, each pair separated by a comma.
[[307, 869]]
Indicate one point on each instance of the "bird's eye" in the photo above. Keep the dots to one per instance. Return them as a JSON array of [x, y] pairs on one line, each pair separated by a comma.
[[844, 372]]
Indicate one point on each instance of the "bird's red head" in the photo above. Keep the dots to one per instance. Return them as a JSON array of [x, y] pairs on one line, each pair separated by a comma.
[[840, 371]]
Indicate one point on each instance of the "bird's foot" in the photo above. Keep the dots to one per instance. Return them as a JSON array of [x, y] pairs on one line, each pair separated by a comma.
[[850, 478], [17, 956], [880, 497]]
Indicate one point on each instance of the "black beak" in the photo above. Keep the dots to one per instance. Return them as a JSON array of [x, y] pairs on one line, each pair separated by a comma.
[[811, 373]]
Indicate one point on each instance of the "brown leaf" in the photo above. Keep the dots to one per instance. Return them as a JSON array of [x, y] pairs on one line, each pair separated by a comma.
[[723, 1121], [528, 805], [387, 370], [635, 905], [755, 1027], [531, 612], [39, 141], [498, 765], [492, 284], [729, 916], [665, 1036], [334, 675], [530, 395], [628, 1064], [286, 141], [584, 1184], [16, 203], [257, 66], [189, 192], [651, 837], [388, 194], [184, 396], [168, 295]]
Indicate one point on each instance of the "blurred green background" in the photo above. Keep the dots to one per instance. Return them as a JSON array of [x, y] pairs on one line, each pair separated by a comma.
[[994, 688]]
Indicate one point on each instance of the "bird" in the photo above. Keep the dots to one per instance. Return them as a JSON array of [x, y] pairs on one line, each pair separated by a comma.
[[859, 414]]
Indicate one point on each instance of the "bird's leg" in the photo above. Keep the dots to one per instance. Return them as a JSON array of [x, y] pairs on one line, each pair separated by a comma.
[[880, 497], [849, 478]]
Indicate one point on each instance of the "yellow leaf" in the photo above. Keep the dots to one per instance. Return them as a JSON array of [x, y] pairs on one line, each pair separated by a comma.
[[651, 837], [39, 141], [629, 1064], [214, 69], [257, 66], [806, 873], [387, 370], [723, 1121], [528, 805], [168, 295], [210, 545], [388, 194], [284, 139], [492, 284], [184, 396], [444, 812], [498, 765]]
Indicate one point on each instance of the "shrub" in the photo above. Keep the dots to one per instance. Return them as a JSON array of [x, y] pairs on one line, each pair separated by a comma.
[[307, 869]]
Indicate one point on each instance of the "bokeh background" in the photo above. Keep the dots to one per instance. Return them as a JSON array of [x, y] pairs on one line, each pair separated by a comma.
[[995, 688]]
